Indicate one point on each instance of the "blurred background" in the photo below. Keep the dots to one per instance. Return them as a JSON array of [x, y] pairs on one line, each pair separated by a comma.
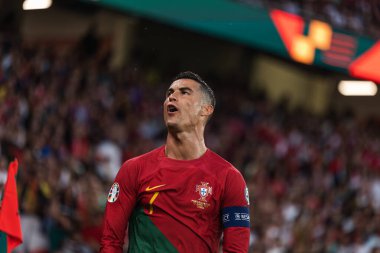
[[81, 90]]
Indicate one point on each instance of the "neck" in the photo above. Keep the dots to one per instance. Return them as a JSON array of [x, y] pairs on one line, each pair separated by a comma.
[[185, 146]]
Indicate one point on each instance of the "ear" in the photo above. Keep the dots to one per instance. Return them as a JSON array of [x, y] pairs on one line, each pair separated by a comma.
[[207, 110]]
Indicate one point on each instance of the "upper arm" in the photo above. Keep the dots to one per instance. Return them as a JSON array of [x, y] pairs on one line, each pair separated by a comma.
[[235, 214], [121, 201]]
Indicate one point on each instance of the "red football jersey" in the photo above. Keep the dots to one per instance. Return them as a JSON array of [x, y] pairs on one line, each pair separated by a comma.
[[177, 206]]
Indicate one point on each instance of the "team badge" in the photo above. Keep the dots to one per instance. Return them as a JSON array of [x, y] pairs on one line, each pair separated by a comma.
[[114, 193], [204, 191]]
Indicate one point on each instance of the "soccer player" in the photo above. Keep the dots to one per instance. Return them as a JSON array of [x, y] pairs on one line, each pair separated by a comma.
[[181, 196]]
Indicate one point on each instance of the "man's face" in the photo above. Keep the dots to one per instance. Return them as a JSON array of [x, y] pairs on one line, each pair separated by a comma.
[[183, 105]]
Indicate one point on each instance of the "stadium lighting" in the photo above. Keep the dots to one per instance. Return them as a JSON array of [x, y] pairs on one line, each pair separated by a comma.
[[357, 88], [321, 34], [303, 50], [36, 4]]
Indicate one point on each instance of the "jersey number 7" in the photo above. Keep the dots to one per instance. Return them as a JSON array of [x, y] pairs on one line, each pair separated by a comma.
[[151, 202]]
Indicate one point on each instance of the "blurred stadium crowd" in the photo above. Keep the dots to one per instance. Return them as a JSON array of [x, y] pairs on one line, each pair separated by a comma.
[[358, 16], [314, 181]]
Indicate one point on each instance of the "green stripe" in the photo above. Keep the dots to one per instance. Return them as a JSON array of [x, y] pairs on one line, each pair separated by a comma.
[[3, 242], [145, 237]]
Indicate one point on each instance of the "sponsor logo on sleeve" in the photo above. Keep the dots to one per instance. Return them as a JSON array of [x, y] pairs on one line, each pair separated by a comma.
[[235, 216], [226, 217], [247, 195], [114, 193]]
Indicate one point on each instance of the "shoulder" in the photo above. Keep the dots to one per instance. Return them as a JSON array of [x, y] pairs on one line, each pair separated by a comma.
[[147, 156], [221, 163], [226, 172], [234, 191], [142, 160]]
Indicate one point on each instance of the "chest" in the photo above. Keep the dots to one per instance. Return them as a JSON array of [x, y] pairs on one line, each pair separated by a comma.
[[190, 191]]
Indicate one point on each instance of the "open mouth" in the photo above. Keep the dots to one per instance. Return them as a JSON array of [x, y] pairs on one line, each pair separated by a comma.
[[172, 108]]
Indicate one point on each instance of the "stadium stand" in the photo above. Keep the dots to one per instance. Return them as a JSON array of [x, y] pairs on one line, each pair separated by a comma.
[[359, 16], [314, 181]]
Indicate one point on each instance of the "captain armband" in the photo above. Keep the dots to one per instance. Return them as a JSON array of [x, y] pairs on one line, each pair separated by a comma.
[[235, 216]]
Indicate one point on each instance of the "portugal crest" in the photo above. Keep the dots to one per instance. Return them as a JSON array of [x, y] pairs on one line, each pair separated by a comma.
[[114, 193], [204, 191]]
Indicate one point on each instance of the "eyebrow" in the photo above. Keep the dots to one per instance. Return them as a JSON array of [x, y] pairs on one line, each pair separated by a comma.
[[181, 89]]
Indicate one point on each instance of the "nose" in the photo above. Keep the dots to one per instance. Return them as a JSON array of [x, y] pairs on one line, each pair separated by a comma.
[[172, 97]]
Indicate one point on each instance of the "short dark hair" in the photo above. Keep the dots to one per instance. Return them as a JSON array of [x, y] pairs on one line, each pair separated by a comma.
[[204, 86]]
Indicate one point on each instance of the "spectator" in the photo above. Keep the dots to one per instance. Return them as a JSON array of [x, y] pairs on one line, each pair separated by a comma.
[[314, 181]]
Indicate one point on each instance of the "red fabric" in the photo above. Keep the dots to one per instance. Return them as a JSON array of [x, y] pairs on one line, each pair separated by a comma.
[[236, 239], [190, 222], [9, 216]]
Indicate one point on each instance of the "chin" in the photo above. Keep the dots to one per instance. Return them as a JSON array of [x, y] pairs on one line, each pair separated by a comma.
[[172, 127]]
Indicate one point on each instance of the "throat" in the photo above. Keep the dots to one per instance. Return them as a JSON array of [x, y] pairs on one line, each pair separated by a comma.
[[184, 148]]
